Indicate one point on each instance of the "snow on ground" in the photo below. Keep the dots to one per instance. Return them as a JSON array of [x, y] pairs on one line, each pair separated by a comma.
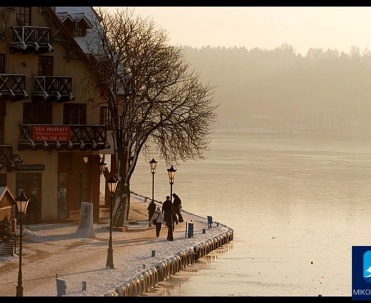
[[58, 249]]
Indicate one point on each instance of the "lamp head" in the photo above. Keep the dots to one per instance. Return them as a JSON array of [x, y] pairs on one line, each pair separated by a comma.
[[112, 184], [153, 164], [22, 203], [171, 172], [18, 163]]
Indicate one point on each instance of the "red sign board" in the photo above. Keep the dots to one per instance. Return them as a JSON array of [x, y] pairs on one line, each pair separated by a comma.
[[51, 133]]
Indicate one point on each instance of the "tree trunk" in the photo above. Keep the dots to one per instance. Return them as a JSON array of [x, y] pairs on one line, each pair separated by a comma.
[[122, 212], [127, 192]]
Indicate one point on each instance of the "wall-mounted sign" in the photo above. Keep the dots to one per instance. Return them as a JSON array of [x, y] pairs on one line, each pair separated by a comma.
[[32, 167], [51, 133]]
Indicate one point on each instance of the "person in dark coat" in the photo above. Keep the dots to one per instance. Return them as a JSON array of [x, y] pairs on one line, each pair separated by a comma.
[[151, 209], [177, 207], [157, 219], [166, 210]]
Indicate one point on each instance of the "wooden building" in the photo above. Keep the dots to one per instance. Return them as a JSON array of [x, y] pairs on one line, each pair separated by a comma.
[[7, 205], [49, 121]]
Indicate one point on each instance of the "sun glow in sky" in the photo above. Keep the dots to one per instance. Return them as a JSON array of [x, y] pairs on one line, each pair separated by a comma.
[[264, 27]]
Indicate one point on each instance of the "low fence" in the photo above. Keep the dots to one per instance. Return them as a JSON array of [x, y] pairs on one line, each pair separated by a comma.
[[162, 271]]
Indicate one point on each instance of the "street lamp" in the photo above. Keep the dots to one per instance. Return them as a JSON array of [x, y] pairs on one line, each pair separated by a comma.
[[22, 202], [171, 172], [153, 164], [18, 163], [112, 183]]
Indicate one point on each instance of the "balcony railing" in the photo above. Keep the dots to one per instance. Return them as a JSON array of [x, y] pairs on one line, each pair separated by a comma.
[[6, 156], [53, 88], [62, 137], [13, 87], [30, 39]]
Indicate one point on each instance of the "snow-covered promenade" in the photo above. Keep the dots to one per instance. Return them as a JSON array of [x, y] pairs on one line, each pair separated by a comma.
[[140, 259]]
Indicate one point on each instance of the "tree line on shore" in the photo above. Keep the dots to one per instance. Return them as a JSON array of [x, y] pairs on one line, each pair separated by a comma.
[[323, 91]]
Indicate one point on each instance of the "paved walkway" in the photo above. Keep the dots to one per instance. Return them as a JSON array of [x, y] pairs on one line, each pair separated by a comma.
[[60, 250]]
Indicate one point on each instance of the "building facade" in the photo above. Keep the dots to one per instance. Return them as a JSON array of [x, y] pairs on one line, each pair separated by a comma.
[[52, 134]]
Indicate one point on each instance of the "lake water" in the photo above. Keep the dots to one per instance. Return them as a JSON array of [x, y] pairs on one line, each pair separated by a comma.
[[297, 204]]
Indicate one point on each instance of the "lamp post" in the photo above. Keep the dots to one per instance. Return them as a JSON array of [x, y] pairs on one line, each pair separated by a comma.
[[171, 172], [22, 202], [153, 164], [112, 183], [102, 168]]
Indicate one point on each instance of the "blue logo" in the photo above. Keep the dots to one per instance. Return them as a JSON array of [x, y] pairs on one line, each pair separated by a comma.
[[361, 273], [367, 266]]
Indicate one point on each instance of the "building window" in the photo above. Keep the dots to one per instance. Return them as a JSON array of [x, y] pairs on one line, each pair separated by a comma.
[[45, 67], [23, 15], [37, 113], [70, 25], [74, 114], [2, 64], [105, 117], [80, 30]]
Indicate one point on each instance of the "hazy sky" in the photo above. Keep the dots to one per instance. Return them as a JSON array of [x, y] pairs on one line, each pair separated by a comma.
[[265, 27]]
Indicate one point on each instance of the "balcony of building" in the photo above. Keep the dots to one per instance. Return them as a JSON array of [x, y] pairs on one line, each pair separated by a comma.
[[13, 87], [53, 88], [7, 157], [28, 39], [63, 137]]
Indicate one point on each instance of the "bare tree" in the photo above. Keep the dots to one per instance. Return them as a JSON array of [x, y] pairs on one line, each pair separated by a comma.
[[156, 101]]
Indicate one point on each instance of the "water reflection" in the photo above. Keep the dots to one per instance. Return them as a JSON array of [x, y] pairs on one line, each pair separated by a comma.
[[172, 286], [297, 204]]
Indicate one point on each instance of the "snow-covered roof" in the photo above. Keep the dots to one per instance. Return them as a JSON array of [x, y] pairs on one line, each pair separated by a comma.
[[92, 42], [74, 17], [4, 190], [78, 13], [75, 10]]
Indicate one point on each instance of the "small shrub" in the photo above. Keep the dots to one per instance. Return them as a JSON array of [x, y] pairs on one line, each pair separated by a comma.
[[6, 233]]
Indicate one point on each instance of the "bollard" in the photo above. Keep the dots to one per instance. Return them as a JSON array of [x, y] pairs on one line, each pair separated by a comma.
[[153, 253], [84, 285], [190, 230], [144, 266], [209, 221], [204, 231]]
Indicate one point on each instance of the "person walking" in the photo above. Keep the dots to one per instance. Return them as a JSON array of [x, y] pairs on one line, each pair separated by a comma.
[[168, 217], [151, 210], [166, 210], [157, 219], [177, 207]]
